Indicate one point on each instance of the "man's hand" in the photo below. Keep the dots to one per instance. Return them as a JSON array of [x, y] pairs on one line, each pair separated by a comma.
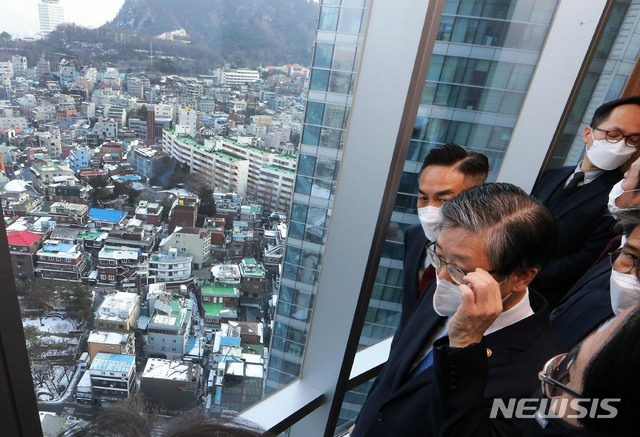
[[481, 304]]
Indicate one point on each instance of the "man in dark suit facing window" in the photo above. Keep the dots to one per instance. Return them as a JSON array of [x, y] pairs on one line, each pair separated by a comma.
[[493, 238], [578, 196], [446, 171]]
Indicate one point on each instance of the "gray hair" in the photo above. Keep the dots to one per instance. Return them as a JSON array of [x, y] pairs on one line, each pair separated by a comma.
[[628, 219], [519, 232]]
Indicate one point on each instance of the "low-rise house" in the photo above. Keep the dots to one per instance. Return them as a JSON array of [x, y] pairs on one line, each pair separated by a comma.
[[107, 218], [68, 190], [112, 376], [19, 198], [171, 384], [69, 213], [184, 212], [168, 328], [111, 342], [216, 226], [121, 266], [190, 241], [23, 246], [228, 274], [61, 261], [149, 212], [242, 382], [136, 235], [45, 172], [118, 312], [253, 278], [169, 266], [220, 303]]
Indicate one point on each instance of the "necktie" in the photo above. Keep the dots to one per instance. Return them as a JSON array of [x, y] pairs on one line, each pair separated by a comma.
[[426, 362], [428, 275], [575, 180]]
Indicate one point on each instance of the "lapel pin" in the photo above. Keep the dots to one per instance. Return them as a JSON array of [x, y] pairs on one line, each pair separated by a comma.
[[489, 352]]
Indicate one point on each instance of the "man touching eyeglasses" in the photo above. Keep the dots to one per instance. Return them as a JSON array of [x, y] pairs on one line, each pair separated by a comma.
[[492, 240]]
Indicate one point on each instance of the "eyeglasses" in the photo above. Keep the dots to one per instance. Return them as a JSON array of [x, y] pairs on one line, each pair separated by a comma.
[[555, 375], [627, 262], [454, 272], [613, 136]]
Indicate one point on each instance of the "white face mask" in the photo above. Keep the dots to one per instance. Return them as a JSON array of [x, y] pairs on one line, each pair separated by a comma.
[[624, 289], [447, 298], [609, 156], [429, 219], [616, 192]]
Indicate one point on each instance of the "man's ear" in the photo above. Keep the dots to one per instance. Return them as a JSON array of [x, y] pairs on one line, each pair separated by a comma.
[[520, 281], [586, 135]]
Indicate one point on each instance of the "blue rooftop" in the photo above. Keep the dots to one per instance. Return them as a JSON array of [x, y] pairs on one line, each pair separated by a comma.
[[127, 177], [113, 362], [230, 341], [60, 247], [107, 215], [191, 342]]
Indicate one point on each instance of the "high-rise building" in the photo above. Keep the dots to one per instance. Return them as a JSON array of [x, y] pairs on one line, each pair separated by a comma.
[[484, 63], [334, 69], [609, 72], [51, 15]]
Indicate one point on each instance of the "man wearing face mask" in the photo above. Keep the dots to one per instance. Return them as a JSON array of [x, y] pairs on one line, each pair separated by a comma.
[[605, 290], [625, 193], [445, 172], [492, 241], [578, 195]]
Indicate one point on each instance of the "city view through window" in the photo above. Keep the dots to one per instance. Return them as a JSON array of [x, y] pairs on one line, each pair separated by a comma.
[[169, 172], [147, 173]]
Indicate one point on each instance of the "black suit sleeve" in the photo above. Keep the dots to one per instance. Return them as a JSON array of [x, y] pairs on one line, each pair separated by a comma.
[[461, 378]]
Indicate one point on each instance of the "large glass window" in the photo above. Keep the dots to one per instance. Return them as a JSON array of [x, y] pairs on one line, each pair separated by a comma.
[[614, 60]]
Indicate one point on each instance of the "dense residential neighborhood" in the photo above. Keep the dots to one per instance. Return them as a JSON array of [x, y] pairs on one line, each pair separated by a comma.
[[145, 217]]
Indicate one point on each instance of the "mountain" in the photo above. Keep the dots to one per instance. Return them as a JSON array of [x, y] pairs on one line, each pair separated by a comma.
[[241, 32]]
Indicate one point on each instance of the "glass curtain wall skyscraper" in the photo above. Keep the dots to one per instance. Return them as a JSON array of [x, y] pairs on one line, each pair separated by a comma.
[[609, 72], [480, 71], [481, 68], [482, 64], [335, 63]]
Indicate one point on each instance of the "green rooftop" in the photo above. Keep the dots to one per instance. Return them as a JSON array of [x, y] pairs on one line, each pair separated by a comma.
[[256, 349], [249, 268], [161, 318], [214, 309], [279, 169], [228, 157], [247, 146], [220, 290], [112, 249], [88, 235], [288, 157], [255, 209]]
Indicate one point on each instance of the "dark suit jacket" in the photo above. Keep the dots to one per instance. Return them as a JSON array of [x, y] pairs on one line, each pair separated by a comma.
[[586, 229], [414, 252], [402, 406], [585, 307]]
